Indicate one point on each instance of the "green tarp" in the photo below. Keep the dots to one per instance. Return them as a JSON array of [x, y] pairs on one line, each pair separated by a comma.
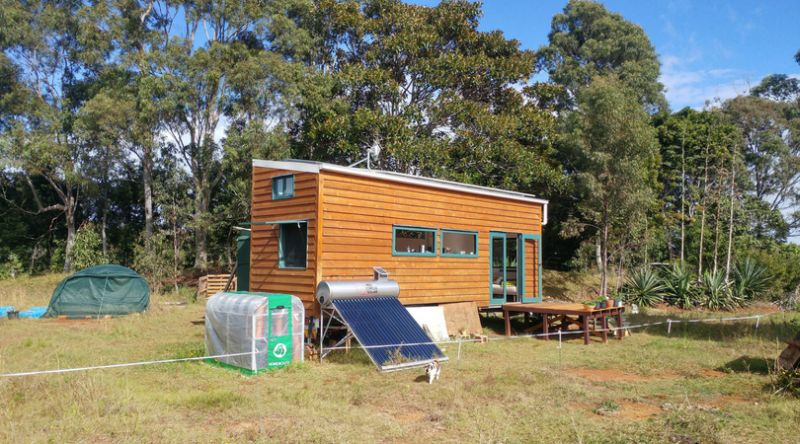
[[100, 291]]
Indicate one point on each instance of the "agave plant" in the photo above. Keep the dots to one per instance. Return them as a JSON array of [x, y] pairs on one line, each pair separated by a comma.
[[643, 287], [752, 280], [680, 288], [717, 292]]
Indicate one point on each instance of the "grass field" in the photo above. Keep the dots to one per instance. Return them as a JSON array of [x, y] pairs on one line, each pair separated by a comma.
[[702, 383]]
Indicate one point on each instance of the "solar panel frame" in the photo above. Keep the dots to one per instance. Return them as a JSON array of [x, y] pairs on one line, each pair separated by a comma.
[[380, 324]]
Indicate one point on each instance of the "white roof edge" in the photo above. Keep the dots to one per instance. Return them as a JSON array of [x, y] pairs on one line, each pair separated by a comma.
[[315, 167]]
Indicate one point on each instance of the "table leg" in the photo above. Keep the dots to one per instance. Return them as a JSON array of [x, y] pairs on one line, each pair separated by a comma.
[[605, 328], [545, 326], [621, 331], [507, 317], [586, 329]]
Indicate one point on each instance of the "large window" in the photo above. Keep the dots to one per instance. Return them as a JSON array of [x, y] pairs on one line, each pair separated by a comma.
[[293, 245], [459, 243], [413, 241], [282, 187]]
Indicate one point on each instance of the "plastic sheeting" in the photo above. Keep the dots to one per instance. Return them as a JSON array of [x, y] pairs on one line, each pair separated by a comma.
[[240, 326]]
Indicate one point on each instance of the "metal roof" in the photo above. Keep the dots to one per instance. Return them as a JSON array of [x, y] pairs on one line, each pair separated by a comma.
[[308, 166]]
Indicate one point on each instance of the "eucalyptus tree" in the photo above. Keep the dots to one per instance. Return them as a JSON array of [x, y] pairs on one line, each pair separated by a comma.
[[613, 151], [201, 59], [587, 40], [55, 59]]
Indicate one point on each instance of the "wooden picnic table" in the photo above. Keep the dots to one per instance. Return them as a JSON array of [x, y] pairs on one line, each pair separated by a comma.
[[585, 314]]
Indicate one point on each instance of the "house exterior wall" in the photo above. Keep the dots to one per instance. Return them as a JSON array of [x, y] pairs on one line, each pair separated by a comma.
[[265, 274], [357, 216]]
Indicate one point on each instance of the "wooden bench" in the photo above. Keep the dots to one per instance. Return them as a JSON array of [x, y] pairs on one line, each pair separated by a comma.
[[584, 313]]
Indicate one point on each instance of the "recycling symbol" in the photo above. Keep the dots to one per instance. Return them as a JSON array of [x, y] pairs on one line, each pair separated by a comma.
[[279, 351]]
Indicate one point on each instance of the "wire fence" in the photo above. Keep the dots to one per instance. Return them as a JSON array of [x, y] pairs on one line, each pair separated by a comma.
[[559, 334]]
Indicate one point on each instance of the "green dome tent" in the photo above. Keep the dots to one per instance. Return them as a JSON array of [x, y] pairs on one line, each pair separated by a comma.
[[100, 291]]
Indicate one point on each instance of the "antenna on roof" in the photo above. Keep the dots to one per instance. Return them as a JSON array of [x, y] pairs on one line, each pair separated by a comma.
[[372, 153]]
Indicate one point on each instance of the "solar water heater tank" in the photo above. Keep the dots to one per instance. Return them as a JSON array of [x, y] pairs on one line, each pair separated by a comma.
[[380, 285]]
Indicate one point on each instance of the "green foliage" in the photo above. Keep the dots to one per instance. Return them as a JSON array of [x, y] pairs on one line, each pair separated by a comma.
[[643, 287], [679, 287], [87, 251], [587, 41], [11, 267], [752, 280], [614, 153], [717, 293]]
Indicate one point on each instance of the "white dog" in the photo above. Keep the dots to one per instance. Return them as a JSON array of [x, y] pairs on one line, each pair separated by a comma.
[[432, 370]]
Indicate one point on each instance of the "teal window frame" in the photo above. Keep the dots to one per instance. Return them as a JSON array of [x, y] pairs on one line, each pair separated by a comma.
[[474, 234], [287, 187], [281, 260], [433, 251]]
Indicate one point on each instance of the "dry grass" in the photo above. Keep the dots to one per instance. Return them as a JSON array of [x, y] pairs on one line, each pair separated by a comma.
[[702, 383]]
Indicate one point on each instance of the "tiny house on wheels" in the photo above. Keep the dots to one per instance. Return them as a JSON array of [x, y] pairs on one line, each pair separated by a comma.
[[441, 241]]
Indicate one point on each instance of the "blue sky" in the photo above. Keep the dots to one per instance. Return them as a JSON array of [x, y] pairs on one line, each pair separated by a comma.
[[708, 49]]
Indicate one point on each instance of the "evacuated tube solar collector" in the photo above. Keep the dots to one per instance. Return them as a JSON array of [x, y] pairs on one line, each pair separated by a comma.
[[380, 285]]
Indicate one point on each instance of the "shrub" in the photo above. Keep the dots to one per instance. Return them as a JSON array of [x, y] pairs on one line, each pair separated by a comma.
[[153, 259], [717, 294], [11, 268], [680, 288], [87, 249], [751, 280], [643, 287]]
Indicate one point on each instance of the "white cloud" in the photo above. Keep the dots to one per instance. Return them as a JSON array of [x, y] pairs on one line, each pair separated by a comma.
[[695, 87]]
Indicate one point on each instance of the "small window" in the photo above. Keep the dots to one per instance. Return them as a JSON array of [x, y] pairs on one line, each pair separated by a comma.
[[282, 187], [411, 241], [293, 245], [459, 243]]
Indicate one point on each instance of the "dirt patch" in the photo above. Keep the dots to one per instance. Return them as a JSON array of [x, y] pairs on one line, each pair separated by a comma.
[[709, 373], [637, 410], [728, 401], [611, 375]]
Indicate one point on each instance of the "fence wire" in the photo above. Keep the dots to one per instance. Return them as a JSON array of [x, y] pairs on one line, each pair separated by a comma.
[[459, 342]]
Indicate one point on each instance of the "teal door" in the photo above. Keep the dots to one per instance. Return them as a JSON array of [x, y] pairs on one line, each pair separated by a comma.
[[504, 268], [530, 247]]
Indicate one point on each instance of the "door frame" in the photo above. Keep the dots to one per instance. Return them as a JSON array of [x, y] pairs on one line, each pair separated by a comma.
[[522, 260], [492, 236]]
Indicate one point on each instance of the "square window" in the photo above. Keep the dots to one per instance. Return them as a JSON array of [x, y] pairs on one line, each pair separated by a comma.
[[459, 243], [293, 245], [410, 241], [282, 187]]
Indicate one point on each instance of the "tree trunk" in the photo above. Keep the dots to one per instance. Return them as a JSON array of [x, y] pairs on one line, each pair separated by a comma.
[[147, 182], [716, 228], [683, 202], [69, 213], [703, 219], [730, 222], [201, 202], [604, 250]]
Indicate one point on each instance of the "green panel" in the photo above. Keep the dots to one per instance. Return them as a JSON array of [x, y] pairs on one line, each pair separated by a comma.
[[243, 261], [279, 344]]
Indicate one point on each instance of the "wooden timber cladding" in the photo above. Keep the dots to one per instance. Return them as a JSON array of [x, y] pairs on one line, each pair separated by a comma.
[[357, 218], [265, 275], [350, 220]]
